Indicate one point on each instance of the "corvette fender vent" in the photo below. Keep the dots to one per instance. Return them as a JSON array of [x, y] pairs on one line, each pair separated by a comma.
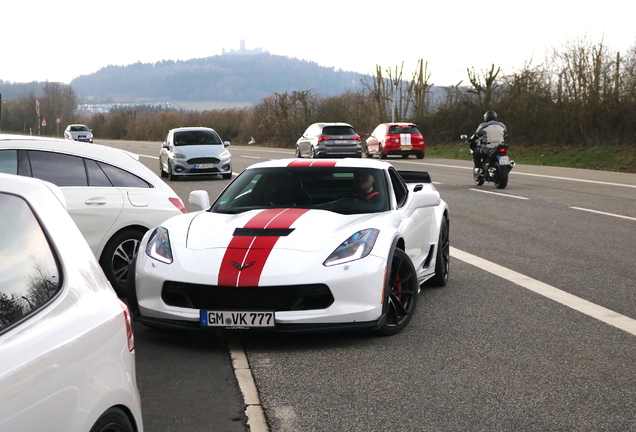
[[268, 298], [262, 232]]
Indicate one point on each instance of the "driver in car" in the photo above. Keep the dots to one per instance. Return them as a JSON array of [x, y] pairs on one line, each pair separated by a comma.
[[363, 185]]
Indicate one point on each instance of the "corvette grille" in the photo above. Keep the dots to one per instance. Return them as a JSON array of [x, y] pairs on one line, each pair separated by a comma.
[[269, 298]]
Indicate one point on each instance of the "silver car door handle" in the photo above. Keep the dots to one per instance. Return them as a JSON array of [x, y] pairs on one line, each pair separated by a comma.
[[96, 201]]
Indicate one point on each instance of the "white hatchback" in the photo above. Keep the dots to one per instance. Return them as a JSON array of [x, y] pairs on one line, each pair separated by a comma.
[[112, 197], [66, 340]]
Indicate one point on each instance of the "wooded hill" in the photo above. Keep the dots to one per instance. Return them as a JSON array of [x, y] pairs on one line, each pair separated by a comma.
[[222, 78]]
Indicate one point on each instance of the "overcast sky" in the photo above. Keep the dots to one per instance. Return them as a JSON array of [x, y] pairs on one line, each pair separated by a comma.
[[58, 40]]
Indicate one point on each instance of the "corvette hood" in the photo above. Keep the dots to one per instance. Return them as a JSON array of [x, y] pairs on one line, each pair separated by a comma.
[[296, 229]]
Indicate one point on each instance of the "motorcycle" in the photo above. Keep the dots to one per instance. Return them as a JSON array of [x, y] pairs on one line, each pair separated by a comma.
[[496, 166]]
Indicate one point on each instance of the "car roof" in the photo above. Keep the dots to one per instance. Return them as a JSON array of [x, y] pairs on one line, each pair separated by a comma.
[[113, 156], [346, 163], [193, 128], [400, 124], [333, 124]]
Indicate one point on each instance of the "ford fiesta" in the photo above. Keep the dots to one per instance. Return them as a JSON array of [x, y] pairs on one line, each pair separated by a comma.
[[297, 245], [194, 151]]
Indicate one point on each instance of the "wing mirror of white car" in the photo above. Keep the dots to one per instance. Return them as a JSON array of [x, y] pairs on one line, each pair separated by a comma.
[[424, 199], [165, 145], [199, 198], [226, 143]]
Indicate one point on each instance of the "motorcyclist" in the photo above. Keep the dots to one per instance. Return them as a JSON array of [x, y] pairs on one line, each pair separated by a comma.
[[489, 135]]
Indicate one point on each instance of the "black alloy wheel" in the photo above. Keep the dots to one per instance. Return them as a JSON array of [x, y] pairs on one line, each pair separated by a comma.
[[401, 292], [442, 258]]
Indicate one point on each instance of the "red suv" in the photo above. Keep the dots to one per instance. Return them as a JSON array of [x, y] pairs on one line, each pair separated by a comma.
[[395, 139]]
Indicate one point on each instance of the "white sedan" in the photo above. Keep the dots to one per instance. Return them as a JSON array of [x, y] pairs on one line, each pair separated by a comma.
[[66, 341], [297, 245]]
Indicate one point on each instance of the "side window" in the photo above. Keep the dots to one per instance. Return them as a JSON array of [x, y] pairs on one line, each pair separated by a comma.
[[29, 274], [96, 176], [57, 168], [120, 178], [9, 161], [399, 188]]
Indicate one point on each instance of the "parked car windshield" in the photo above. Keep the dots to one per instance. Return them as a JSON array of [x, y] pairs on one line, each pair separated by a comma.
[[338, 130], [80, 128], [403, 130], [196, 137], [338, 189]]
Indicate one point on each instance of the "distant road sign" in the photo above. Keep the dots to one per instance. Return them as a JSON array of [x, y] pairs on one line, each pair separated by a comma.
[[57, 120], [37, 107], [43, 122]]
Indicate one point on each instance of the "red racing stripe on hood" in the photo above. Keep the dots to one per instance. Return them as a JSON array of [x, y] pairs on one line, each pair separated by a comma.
[[312, 163], [246, 256]]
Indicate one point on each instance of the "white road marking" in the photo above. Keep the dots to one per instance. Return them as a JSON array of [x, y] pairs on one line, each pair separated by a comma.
[[254, 410], [500, 194], [604, 213], [536, 175], [588, 308]]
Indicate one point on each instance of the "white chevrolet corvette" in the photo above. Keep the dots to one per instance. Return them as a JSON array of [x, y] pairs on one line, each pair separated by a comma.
[[297, 245]]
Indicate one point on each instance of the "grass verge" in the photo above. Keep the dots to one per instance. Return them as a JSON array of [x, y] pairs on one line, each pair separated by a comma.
[[619, 158]]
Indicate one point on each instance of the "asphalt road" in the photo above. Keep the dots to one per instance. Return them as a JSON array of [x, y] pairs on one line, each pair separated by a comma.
[[535, 331]]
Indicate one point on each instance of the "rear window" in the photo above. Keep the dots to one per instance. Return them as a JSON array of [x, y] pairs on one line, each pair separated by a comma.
[[338, 130], [196, 137], [403, 130], [29, 274]]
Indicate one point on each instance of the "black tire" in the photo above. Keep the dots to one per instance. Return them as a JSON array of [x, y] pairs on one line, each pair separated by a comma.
[[420, 155], [401, 292], [501, 177], [117, 257], [405, 155], [171, 175], [163, 173], [298, 155], [442, 258], [312, 153], [227, 176], [381, 152], [131, 290], [113, 420]]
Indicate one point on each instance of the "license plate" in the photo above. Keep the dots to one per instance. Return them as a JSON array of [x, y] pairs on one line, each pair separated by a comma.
[[341, 142], [237, 319], [504, 160], [203, 166], [406, 147]]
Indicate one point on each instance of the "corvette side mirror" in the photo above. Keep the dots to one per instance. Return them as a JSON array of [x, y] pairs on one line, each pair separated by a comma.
[[199, 198]]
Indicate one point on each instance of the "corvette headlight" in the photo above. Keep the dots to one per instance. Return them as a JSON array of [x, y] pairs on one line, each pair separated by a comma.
[[158, 246], [354, 248]]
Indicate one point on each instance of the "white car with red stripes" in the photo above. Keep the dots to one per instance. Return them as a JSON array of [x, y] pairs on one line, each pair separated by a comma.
[[295, 245]]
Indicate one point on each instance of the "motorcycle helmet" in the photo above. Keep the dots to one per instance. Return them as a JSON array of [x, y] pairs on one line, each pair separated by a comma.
[[490, 115]]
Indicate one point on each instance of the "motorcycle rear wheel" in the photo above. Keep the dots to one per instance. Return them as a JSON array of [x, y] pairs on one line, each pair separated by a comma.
[[501, 177]]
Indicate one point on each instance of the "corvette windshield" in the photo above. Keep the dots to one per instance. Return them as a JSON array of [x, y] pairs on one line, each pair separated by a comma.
[[338, 189]]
